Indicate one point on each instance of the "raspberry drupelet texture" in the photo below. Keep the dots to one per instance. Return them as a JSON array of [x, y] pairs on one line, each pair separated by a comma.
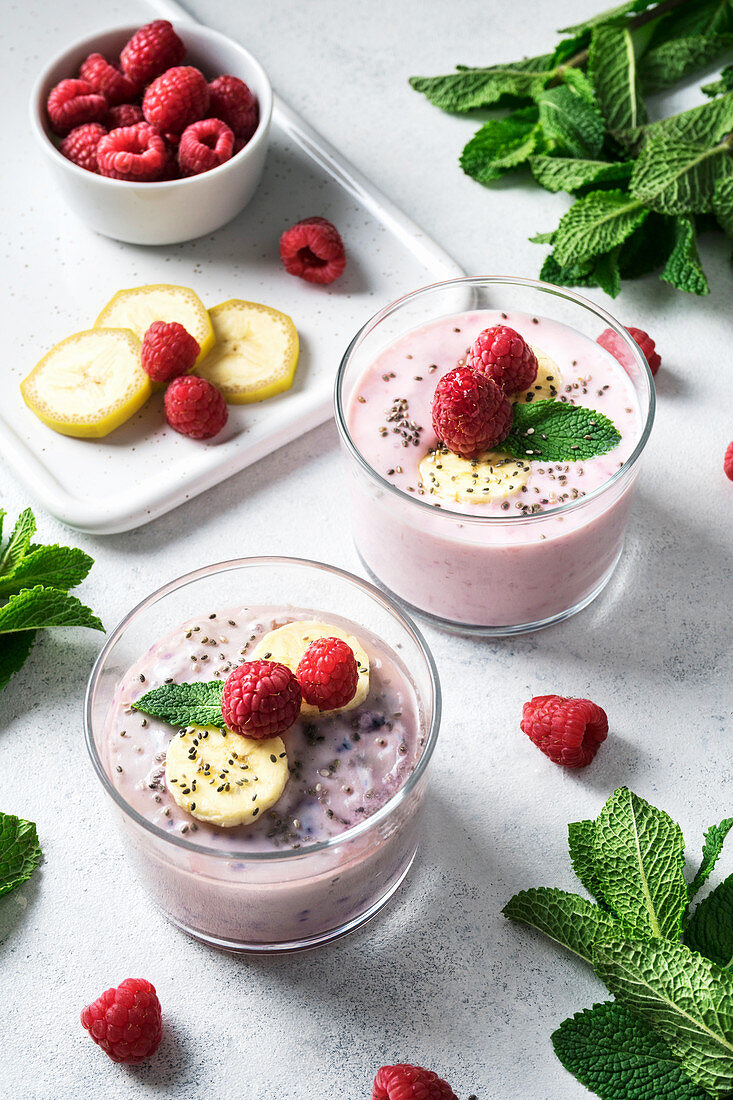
[[205, 145], [132, 153], [168, 351], [403, 1082], [613, 343], [195, 407], [125, 1022], [569, 731], [124, 114], [328, 674], [470, 413], [261, 699], [231, 100], [151, 50], [80, 146], [313, 250], [728, 461], [107, 80], [503, 355], [175, 99], [72, 103]]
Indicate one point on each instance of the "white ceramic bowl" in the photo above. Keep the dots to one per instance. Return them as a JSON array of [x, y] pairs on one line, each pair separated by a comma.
[[172, 211]]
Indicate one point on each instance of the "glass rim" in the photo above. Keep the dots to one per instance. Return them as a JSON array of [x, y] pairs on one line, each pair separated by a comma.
[[492, 280], [240, 855]]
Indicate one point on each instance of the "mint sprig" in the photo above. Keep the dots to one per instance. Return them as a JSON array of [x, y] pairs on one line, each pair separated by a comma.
[[710, 929], [556, 431], [197, 704], [20, 852]]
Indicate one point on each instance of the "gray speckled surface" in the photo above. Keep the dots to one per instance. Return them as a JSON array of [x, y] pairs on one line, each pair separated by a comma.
[[440, 978]]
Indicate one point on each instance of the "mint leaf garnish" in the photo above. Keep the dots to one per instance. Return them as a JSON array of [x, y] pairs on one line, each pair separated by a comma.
[[20, 852], [581, 835], [572, 173], [474, 87], [648, 247], [709, 123], [597, 223], [18, 542], [606, 272], [723, 204], [14, 651], [724, 84], [556, 431], [686, 998], [57, 566], [570, 118], [710, 928], [620, 1057], [673, 60], [501, 144], [197, 704], [572, 275], [35, 608], [683, 268], [711, 849], [568, 919], [613, 15], [612, 68], [677, 176]]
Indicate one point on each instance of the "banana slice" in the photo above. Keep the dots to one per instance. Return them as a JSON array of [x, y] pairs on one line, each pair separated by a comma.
[[256, 352], [223, 778], [139, 306], [88, 384], [288, 643], [547, 383], [491, 476]]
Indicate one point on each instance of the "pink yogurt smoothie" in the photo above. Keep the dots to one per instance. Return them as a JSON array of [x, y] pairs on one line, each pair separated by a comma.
[[444, 558]]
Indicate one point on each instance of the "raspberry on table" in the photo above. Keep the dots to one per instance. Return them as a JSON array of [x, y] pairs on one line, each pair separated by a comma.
[[136, 153], [72, 103], [168, 351], [205, 145], [124, 114], [328, 674], [80, 146], [611, 342], [126, 1022], [231, 100], [195, 407], [107, 80], [261, 699], [503, 355], [175, 99], [151, 50], [470, 412], [313, 250], [569, 731], [728, 462], [403, 1082]]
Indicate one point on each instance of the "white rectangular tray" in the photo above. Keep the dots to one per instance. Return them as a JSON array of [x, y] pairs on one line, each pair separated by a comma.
[[60, 274]]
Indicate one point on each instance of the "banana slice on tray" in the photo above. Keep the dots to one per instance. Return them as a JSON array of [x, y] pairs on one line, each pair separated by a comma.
[[256, 351], [88, 384], [547, 383], [491, 476], [139, 306], [223, 778], [288, 643]]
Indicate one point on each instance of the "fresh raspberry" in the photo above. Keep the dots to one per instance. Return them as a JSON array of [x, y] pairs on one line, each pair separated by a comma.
[[125, 1022], [168, 351], [410, 1083], [195, 407], [107, 80], [125, 114], [470, 413], [261, 699], [135, 153], [313, 250], [72, 103], [204, 145], [611, 342], [231, 100], [503, 355], [728, 462], [328, 674], [569, 731], [150, 51], [80, 146], [176, 99]]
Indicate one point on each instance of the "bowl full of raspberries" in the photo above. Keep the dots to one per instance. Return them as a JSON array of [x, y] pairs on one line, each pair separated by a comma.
[[154, 134]]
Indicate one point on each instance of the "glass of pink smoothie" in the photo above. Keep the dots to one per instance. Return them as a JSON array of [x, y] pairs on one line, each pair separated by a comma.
[[489, 566], [342, 836]]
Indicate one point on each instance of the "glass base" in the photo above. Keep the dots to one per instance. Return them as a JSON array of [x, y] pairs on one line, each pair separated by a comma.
[[289, 947], [492, 631]]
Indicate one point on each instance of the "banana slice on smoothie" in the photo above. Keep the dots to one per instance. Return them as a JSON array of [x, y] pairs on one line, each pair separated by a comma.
[[223, 778], [89, 384], [288, 643], [256, 352], [547, 383], [491, 476], [139, 306]]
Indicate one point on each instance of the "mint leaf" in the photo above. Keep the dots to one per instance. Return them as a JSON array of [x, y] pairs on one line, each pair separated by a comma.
[[3, 514], [619, 1057], [14, 652], [596, 223], [469, 88], [18, 542], [20, 852], [35, 608], [556, 431], [613, 15], [572, 275], [571, 120], [708, 17], [197, 704], [686, 998], [580, 842], [639, 854], [606, 272], [723, 204], [676, 176], [566, 918], [612, 68], [710, 929], [571, 173], [725, 84], [711, 849], [56, 566], [672, 60], [683, 268], [648, 247], [501, 144]]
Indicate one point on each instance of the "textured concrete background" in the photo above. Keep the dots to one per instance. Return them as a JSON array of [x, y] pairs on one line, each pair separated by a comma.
[[440, 978]]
